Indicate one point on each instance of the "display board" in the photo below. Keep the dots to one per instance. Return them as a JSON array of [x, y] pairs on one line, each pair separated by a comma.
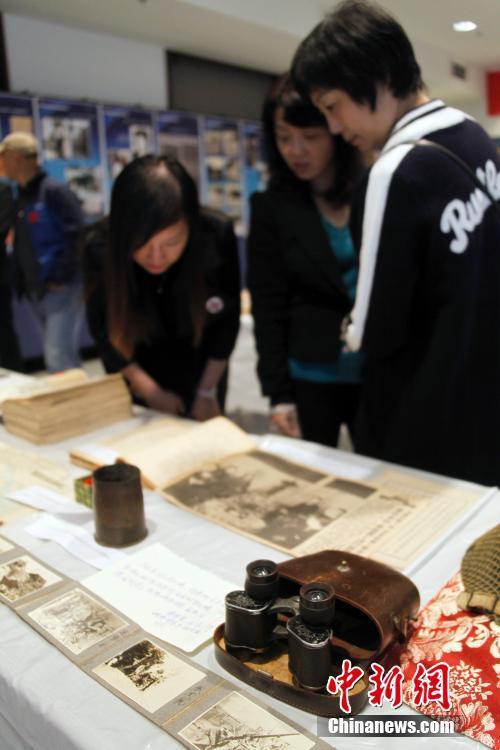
[[128, 133], [255, 172], [222, 168], [69, 136], [87, 144], [16, 113], [177, 134]]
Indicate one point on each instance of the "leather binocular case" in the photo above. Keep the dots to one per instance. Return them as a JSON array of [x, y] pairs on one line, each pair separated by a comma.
[[294, 623]]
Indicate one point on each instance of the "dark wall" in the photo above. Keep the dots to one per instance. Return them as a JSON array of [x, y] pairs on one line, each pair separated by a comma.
[[4, 70], [212, 88]]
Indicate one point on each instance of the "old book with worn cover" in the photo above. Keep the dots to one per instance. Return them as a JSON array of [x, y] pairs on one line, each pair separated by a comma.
[[17, 385], [71, 410]]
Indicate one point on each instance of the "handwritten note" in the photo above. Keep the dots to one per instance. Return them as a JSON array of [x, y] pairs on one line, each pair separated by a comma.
[[169, 597]]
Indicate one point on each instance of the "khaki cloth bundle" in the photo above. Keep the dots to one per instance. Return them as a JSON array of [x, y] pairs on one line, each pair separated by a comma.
[[481, 574]]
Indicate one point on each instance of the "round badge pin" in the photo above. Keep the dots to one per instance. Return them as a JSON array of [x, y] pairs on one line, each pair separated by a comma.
[[214, 305]]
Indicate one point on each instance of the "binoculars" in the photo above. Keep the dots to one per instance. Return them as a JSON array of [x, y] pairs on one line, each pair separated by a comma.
[[257, 617]]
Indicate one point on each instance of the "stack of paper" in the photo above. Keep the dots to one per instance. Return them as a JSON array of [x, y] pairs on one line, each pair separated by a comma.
[[68, 411], [16, 385]]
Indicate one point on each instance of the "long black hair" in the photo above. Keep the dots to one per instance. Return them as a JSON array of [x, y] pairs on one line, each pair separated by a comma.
[[151, 194], [299, 112]]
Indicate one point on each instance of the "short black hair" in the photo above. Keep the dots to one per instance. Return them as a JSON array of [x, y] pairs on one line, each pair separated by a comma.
[[299, 112], [356, 47]]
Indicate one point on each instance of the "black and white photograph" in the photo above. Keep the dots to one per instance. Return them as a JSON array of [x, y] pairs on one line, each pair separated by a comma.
[[266, 497], [236, 722], [22, 576], [65, 138], [216, 168], [148, 674], [141, 140], [118, 158], [86, 183], [185, 148], [5, 546], [77, 620]]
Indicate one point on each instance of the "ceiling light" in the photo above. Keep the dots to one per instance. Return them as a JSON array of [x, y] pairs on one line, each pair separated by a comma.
[[464, 26]]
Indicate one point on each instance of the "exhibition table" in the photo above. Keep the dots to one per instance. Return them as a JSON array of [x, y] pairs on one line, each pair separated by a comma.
[[47, 703]]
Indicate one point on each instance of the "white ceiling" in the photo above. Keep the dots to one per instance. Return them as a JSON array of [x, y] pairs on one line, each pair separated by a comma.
[[264, 33]]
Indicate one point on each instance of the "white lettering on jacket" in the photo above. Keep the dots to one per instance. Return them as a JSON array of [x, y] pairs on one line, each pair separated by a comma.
[[462, 217]]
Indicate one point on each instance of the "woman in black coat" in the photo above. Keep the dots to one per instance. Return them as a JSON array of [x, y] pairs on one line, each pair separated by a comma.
[[163, 291], [302, 271]]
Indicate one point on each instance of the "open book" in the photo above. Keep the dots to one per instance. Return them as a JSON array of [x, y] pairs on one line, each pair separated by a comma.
[[216, 471], [166, 448]]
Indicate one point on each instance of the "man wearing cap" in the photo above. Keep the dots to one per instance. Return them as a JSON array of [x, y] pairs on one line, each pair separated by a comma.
[[47, 227]]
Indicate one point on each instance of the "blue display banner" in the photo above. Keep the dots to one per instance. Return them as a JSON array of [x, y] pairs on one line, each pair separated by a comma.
[[71, 149], [129, 133], [221, 168], [177, 134], [16, 113], [255, 171]]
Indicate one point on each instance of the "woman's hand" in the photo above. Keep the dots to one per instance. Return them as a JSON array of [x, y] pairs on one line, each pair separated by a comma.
[[285, 419], [205, 407], [151, 392], [166, 401]]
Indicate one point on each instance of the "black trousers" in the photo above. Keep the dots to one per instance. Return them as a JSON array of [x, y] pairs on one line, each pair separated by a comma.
[[323, 407], [10, 356]]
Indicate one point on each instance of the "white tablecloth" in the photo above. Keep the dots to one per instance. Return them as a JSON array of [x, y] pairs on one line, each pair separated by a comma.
[[47, 703]]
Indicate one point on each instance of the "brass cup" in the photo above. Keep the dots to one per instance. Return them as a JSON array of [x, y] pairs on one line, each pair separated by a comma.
[[118, 505]]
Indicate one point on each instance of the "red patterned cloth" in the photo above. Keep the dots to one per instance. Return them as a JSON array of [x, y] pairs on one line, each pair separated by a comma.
[[470, 644]]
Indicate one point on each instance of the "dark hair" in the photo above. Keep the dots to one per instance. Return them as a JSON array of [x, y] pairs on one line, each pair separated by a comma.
[[299, 112], [149, 195], [356, 47]]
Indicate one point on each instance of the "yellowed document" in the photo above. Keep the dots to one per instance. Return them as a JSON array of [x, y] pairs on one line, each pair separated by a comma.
[[22, 468]]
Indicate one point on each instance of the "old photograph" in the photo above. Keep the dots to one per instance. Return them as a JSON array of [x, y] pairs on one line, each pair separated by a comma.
[[77, 620], [23, 576], [118, 158], [148, 675], [237, 722], [5, 546], [185, 148], [86, 183], [65, 138], [271, 499], [141, 140]]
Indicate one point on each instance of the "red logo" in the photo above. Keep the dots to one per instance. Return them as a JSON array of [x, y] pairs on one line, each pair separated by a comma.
[[429, 685], [343, 683], [33, 217]]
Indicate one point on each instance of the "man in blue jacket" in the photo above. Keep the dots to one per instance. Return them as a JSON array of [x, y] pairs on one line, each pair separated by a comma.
[[47, 227]]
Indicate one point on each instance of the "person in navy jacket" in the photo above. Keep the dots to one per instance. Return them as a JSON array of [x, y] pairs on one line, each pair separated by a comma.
[[47, 227], [302, 271], [427, 310]]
